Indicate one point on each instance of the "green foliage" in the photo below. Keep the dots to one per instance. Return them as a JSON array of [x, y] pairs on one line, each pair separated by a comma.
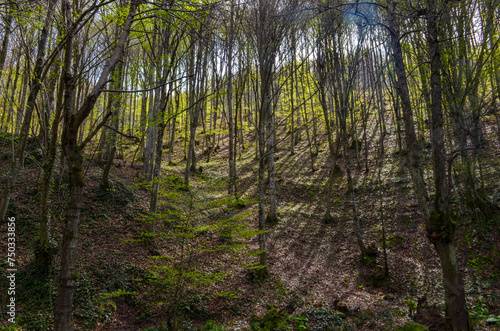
[[187, 228], [392, 241], [118, 15], [6, 139], [273, 320], [480, 310], [366, 318], [369, 259], [36, 290], [279, 289], [36, 320], [411, 326], [11, 327], [227, 295], [301, 322], [36, 298], [38, 295], [106, 303], [158, 328], [480, 262], [211, 325], [85, 304], [324, 319], [411, 304]]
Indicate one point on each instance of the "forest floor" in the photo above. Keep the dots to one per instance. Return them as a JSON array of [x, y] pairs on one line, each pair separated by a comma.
[[315, 270]]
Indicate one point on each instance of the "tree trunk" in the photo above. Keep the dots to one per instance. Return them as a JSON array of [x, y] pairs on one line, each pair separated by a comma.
[[456, 308], [114, 105], [68, 275], [152, 125], [6, 37], [414, 150], [232, 166], [164, 100], [262, 218], [272, 217], [35, 87], [64, 95], [192, 117], [73, 156], [439, 227]]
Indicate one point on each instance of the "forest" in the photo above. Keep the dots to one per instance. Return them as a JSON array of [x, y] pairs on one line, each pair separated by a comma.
[[250, 165]]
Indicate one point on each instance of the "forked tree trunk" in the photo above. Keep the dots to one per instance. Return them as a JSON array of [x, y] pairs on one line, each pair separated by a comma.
[[440, 228], [73, 155]]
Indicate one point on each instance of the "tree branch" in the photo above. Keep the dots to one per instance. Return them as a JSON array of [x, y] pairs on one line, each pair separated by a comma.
[[148, 89], [121, 133]]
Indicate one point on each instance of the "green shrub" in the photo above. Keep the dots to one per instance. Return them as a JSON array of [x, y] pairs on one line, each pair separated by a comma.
[[324, 319], [273, 320], [411, 326], [211, 325], [190, 221]]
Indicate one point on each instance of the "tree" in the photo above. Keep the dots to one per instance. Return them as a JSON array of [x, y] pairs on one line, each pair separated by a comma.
[[73, 155], [440, 227], [35, 87], [268, 34]]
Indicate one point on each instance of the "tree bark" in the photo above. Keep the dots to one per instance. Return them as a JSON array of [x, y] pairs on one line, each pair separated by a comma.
[[114, 105], [35, 87], [232, 166], [73, 156], [439, 226], [44, 259], [414, 150], [6, 37]]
